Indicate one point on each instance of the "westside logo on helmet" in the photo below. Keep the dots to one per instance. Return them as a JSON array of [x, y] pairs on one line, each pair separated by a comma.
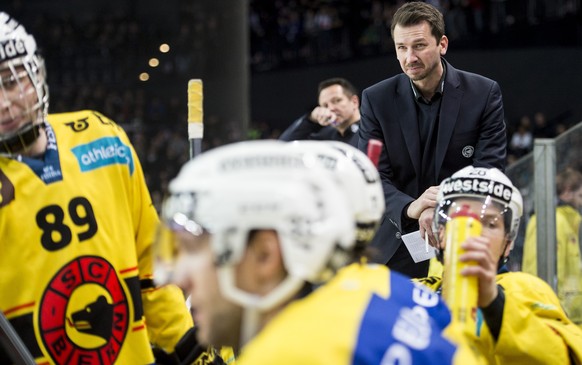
[[453, 186], [12, 49], [103, 152]]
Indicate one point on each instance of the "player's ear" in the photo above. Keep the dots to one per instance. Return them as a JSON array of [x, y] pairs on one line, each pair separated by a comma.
[[444, 45]]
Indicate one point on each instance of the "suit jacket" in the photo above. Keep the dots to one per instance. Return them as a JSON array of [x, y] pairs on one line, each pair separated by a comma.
[[303, 129], [470, 131]]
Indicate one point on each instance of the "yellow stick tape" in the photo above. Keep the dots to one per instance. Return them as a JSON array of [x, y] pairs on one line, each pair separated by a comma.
[[195, 110]]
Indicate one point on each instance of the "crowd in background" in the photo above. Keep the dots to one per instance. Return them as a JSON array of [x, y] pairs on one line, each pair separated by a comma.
[[93, 62], [301, 32]]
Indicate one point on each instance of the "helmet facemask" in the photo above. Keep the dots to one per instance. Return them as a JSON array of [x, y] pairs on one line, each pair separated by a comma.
[[495, 218], [491, 197], [23, 87]]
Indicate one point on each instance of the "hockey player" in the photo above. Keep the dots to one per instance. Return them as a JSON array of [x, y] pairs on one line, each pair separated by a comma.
[[519, 320], [254, 226], [76, 226], [568, 255]]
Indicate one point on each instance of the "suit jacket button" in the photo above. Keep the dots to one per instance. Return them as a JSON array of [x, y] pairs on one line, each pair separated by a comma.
[[398, 235]]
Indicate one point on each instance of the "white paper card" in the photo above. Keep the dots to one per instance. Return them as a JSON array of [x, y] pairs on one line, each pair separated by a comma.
[[417, 247]]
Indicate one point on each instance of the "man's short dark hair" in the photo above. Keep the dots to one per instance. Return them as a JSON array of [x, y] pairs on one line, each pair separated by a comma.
[[415, 12], [349, 89]]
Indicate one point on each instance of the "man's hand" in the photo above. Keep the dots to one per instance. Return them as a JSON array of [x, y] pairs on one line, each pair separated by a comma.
[[323, 116], [484, 268], [425, 226], [426, 200]]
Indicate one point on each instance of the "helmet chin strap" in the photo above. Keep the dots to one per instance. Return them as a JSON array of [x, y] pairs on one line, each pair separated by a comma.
[[21, 140], [503, 260]]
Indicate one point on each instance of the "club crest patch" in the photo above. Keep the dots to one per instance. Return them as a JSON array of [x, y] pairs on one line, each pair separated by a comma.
[[468, 151], [84, 313]]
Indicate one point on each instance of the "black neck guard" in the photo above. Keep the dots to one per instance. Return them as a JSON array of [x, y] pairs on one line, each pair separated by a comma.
[[21, 140]]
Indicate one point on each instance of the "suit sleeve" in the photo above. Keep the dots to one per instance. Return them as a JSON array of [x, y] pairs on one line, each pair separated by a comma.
[[165, 311], [370, 128], [491, 148], [301, 129]]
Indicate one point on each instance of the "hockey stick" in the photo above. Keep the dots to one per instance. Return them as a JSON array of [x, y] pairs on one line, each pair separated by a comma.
[[374, 150], [195, 117], [13, 344]]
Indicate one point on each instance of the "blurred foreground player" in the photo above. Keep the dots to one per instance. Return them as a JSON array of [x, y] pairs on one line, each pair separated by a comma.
[[257, 228]]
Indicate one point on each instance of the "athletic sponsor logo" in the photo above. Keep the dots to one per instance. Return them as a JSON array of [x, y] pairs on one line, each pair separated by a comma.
[[84, 313], [103, 152], [477, 186], [12, 48]]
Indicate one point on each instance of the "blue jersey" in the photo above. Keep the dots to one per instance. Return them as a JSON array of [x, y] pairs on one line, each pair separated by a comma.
[[365, 315]]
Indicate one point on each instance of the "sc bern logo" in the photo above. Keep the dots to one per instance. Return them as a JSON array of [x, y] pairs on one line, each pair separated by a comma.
[[84, 314]]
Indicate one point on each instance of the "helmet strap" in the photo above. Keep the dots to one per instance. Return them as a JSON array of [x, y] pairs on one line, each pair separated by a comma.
[[503, 260]]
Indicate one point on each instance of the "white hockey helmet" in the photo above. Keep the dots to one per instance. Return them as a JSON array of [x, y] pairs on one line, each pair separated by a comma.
[[233, 190], [19, 62], [488, 185], [358, 178]]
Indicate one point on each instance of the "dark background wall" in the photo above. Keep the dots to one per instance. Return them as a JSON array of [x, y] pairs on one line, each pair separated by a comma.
[[540, 79], [261, 70]]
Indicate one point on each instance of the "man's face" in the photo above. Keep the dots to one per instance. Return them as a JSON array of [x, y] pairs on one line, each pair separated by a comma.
[[418, 51], [17, 99], [218, 319], [492, 221], [345, 107]]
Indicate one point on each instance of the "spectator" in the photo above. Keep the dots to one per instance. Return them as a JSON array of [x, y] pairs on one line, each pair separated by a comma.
[[521, 141], [541, 128]]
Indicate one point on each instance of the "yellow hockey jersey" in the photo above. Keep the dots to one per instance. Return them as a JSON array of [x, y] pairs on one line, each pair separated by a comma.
[[534, 327], [365, 315], [568, 260], [76, 228]]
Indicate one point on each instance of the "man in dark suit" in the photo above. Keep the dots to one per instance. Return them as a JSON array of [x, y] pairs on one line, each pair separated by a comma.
[[433, 120], [336, 118]]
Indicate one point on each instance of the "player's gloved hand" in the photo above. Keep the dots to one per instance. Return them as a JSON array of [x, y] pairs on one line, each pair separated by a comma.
[[189, 351]]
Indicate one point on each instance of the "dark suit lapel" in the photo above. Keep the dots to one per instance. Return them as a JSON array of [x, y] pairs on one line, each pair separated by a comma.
[[408, 121], [450, 106]]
